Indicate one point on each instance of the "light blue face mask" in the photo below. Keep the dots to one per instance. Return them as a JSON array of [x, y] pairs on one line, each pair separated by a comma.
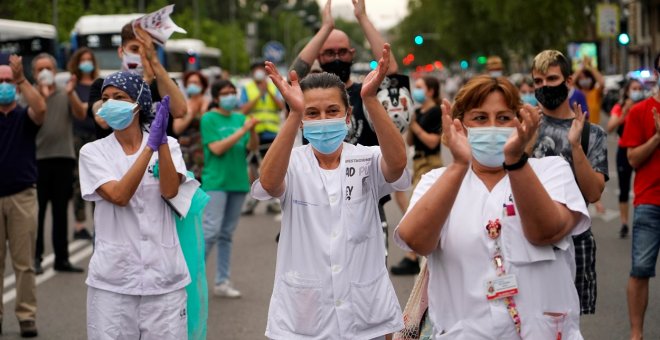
[[228, 102], [7, 93], [86, 66], [418, 95], [487, 144], [193, 89], [529, 98], [325, 135], [117, 113], [636, 95]]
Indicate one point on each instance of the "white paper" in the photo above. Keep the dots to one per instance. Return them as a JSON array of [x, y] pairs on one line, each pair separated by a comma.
[[159, 25]]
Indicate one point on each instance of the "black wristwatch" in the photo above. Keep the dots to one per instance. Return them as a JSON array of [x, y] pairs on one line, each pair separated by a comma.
[[517, 165]]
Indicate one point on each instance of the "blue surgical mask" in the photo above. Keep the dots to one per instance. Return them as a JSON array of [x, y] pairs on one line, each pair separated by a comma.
[[86, 66], [487, 144], [529, 98], [7, 93], [636, 95], [325, 135], [228, 102], [193, 89], [117, 113], [418, 95]]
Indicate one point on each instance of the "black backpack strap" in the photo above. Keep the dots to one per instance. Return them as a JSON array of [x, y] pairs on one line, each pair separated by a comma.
[[585, 136]]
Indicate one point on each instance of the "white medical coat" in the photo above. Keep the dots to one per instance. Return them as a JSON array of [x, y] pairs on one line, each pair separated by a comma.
[[462, 262], [331, 281], [137, 249]]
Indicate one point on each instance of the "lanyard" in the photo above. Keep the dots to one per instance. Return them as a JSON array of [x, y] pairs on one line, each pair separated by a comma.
[[494, 230]]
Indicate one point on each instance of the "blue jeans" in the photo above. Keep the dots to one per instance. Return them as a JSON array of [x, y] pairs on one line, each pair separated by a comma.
[[645, 240], [220, 220]]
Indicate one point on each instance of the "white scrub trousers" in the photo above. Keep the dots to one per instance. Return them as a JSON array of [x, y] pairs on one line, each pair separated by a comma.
[[113, 316]]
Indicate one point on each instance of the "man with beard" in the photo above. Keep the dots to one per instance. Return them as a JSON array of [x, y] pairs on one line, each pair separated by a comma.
[[563, 132], [332, 48]]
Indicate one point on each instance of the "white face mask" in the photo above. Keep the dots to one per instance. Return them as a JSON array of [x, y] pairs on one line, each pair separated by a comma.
[[46, 77], [496, 74], [259, 75], [132, 62], [585, 82]]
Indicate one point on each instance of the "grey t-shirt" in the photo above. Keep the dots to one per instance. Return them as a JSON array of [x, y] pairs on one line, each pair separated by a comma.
[[55, 138], [553, 141]]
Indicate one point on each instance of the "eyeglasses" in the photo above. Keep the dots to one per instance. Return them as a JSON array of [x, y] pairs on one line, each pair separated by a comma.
[[342, 52]]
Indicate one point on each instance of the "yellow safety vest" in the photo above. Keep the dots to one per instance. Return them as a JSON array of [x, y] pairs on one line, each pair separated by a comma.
[[265, 110]]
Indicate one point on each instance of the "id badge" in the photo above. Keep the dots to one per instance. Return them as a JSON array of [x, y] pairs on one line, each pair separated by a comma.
[[501, 287]]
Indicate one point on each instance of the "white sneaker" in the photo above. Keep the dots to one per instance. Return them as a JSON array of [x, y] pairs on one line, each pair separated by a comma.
[[226, 290]]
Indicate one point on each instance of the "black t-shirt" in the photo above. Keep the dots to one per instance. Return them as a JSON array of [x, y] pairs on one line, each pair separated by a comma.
[[359, 132], [431, 122], [86, 126], [95, 95], [18, 151]]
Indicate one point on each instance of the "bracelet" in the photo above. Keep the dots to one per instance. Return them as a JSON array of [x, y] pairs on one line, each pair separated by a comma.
[[20, 82], [517, 165]]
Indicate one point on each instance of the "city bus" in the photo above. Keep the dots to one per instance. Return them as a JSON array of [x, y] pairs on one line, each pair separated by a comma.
[[183, 55], [28, 39]]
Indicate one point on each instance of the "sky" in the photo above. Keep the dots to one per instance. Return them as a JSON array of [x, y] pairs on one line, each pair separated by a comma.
[[383, 13]]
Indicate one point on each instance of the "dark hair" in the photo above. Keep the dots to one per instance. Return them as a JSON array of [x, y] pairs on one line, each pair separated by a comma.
[[72, 66], [218, 86], [626, 89], [202, 79], [433, 83], [127, 33], [524, 80], [474, 93], [325, 80], [256, 64], [656, 61]]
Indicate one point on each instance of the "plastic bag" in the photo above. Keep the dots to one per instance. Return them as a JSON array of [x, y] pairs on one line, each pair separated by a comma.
[[191, 238], [417, 325]]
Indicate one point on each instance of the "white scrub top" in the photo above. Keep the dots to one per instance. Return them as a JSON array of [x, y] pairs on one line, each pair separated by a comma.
[[331, 281], [137, 248], [463, 262]]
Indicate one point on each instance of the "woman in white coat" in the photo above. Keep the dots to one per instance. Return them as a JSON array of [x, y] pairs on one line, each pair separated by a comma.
[[137, 275], [331, 281], [496, 227]]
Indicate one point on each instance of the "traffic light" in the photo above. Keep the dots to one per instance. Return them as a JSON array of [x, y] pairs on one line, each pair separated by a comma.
[[407, 60], [464, 64], [624, 39], [419, 39]]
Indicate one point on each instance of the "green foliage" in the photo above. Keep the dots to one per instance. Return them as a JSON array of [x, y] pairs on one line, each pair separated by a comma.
[[459, 29]]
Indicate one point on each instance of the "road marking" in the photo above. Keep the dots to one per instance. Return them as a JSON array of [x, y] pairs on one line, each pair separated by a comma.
[[75, 258], [48, 260]]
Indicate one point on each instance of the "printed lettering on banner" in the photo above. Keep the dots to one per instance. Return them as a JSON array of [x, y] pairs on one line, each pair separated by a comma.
[[159, 25]]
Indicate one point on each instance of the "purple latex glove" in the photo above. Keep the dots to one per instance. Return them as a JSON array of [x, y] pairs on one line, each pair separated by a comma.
[[158, 130]]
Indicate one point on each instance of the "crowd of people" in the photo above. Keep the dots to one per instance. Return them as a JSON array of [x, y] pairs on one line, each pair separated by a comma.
[[501, 234]]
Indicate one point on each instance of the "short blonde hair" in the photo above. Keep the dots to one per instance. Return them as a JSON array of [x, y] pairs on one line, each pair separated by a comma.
[[548, 58]]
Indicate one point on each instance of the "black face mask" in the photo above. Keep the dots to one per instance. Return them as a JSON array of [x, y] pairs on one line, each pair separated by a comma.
[[341, 68], [552, 96]]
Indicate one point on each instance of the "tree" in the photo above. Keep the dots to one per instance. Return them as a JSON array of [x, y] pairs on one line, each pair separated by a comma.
[[466, 29]]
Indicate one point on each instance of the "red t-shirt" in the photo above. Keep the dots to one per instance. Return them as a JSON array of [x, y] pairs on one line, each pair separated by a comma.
[[640, 127]]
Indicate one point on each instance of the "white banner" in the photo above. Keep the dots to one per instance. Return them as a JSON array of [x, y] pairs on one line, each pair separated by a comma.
[[159, 24]]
